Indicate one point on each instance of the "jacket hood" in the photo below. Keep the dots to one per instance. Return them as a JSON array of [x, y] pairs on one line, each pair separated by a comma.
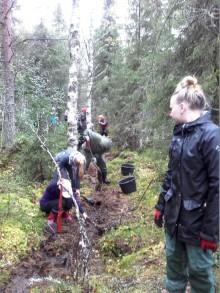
[[188, 127]]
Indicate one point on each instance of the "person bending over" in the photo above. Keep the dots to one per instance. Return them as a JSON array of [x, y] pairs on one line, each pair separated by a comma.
[[72, 166]]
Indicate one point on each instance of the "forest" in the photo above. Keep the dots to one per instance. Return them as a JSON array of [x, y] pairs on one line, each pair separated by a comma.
[[126, 72]]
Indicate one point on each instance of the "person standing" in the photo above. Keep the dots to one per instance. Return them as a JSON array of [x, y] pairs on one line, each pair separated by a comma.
[[188, 203], [82, 126], [103, 125]]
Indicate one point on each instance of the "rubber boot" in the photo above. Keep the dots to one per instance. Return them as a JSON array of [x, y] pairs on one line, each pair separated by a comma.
[[51, 218], [67, 216]]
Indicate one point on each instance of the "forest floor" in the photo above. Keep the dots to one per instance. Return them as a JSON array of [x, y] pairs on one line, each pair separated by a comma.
[[53, 256], [127, 253]]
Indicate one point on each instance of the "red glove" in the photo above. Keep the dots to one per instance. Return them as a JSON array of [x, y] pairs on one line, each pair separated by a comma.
[[158, 218], [206, 244]]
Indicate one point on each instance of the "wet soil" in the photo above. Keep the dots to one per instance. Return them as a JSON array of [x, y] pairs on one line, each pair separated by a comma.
[[57, 254]]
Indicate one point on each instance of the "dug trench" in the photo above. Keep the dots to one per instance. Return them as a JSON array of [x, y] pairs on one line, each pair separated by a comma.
[[55, 258]]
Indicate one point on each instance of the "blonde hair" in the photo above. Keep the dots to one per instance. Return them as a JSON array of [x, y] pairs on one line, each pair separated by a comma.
[[188, 90], [101, 117], [80, 160]]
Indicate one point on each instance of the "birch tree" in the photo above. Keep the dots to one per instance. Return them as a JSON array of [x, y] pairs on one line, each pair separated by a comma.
[[8, 121], [73, 87], [89, 50]]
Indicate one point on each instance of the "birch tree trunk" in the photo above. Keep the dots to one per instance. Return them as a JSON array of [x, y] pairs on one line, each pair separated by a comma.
[[73, 87], [8, 123], [90, 82]]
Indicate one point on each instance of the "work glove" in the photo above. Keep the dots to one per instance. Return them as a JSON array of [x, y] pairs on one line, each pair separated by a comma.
[[207, 244], [158, 218]]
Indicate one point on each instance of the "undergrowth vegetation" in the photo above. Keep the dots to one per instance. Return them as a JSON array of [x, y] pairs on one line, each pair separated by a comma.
[[132, 254]]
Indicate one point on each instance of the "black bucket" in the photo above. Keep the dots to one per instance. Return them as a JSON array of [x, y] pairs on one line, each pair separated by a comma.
[[128, 185], [127, 169]]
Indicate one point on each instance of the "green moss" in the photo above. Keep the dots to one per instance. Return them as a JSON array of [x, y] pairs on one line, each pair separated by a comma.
[[4, 277], [21, 223], [56, 288], [98, 285], [126, 249]]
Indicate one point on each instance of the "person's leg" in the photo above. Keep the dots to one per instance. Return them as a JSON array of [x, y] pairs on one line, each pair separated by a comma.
[[102, 166], [201, 276], [51, 207], [88, 157], [67, 205], [176, 279]]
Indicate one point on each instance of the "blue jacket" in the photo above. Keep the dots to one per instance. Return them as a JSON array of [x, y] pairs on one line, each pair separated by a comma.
[[189, 197], [67, 170]]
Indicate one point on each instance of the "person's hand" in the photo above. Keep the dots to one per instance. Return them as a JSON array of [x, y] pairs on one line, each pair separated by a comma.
[[207, 244], [94, 160], [158, 218], [84, 215], [77, 192], [59, 182], [87, 139]]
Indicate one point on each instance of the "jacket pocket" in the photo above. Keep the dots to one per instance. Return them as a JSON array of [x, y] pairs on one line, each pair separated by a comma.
[[191, 204], [168, 195]]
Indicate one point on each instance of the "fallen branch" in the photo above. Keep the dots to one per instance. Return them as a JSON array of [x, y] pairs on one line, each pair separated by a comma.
[[84, 243]]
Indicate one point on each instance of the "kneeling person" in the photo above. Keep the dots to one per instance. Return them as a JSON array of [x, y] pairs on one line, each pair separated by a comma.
[[49, 202]]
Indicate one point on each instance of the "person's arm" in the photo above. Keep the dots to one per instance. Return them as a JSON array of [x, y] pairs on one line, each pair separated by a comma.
[[164, 189], [74, 177], [159, 207], [78, 201], [102, 123], [210, 150]]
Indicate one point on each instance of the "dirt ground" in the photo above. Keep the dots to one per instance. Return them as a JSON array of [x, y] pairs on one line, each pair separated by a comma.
[[57, 253]]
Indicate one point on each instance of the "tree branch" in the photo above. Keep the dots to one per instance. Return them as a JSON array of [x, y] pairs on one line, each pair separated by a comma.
[[40, 40], [9, 9]]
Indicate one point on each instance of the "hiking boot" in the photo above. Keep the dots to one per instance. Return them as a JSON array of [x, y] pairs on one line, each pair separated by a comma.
[[67, 216]]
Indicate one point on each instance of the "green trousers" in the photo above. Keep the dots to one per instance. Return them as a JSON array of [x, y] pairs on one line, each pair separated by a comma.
[[100, 161], [187, 263]]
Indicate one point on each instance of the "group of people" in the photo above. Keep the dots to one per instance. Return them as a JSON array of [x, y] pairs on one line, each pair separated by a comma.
[[64, 187], [188, 204]]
